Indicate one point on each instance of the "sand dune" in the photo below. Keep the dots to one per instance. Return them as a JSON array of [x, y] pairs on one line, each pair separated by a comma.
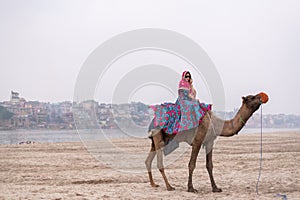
[[70, 171]]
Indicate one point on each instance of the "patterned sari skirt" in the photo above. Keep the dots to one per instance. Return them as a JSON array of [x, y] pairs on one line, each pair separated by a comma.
[[182, 115]]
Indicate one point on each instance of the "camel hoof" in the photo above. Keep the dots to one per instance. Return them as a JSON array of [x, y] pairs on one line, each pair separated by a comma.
[[217, 190], [192, 190], [154, 185], [170, 188]]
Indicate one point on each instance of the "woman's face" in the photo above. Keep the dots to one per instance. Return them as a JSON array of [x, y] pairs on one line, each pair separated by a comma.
[[187, 77]]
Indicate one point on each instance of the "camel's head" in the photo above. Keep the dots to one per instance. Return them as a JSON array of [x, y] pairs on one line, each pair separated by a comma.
[[254, 101]]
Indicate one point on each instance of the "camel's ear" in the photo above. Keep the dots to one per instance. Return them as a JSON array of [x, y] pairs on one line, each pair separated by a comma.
[[244, 99]]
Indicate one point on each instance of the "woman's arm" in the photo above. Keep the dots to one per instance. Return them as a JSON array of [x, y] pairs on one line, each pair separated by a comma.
[[191, 96]]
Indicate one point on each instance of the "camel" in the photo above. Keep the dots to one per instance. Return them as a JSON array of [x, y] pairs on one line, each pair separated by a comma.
[[205, 134]]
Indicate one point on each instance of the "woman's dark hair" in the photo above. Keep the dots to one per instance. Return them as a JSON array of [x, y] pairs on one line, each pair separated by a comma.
[[188, 74]]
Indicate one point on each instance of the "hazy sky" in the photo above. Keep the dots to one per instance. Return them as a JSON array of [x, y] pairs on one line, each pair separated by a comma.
[[254, 44]]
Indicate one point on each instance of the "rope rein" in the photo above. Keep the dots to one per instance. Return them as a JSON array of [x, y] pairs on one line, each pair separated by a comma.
[[260, 161]]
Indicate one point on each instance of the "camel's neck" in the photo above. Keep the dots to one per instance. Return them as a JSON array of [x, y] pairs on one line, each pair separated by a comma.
[[233, 126]]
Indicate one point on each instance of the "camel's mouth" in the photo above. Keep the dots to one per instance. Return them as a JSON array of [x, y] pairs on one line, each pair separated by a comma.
[[264, 97]]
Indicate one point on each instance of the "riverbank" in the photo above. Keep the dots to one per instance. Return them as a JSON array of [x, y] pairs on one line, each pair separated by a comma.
[[69, 171]]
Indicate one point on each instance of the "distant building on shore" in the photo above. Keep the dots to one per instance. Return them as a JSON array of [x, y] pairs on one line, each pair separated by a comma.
[[14, 97]]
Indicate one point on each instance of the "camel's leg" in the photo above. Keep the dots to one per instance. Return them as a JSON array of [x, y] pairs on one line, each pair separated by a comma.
[[192, 166], [209, 167], [200, 135], [148, 163], [158, 142]]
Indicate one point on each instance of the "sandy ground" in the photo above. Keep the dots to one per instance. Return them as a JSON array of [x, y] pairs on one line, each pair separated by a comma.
[[69, 171]]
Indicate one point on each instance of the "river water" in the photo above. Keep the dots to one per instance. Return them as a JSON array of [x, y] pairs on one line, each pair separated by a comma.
[[45, 136]]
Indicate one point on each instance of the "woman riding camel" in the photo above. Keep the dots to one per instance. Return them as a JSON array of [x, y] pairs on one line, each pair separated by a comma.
[[185, 114]]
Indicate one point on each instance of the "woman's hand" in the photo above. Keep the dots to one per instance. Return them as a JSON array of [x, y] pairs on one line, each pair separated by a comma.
[[191, 96]]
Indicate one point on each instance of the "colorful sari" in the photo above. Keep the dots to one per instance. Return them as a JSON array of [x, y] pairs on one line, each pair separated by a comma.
[[186, 113]]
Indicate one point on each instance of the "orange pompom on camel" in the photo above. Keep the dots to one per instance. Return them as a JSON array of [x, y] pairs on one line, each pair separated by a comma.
[[264, 97], [205, 134]]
